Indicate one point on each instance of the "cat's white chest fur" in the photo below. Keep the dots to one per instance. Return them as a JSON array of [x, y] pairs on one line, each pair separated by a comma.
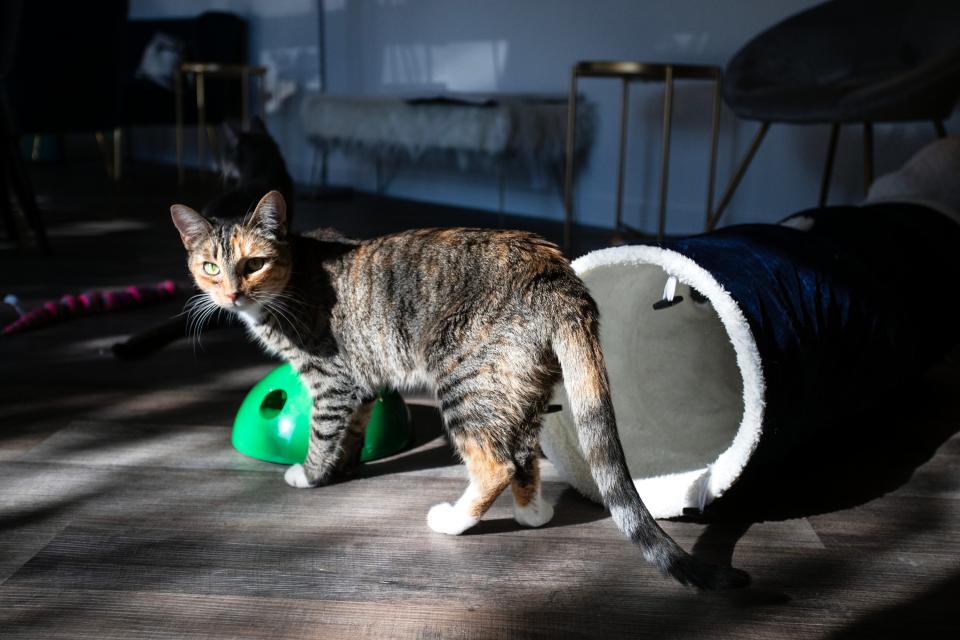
[[251, 316]]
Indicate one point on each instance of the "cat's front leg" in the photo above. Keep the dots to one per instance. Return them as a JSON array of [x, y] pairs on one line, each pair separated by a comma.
[[334, 405]]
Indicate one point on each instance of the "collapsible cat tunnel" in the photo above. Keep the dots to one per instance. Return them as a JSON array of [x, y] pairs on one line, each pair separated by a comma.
[[727, 350]]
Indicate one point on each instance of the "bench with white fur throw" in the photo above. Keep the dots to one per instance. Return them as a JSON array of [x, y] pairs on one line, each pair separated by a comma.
[[464, 131]]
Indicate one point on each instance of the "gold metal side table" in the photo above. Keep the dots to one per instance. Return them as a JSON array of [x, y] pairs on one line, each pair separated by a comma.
[[629, 72], [200, 71]]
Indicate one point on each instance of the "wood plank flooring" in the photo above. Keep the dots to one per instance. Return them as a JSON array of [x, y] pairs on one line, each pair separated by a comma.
[[125, 513]]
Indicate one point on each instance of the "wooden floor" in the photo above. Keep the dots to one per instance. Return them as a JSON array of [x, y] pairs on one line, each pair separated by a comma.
[[124, 512]]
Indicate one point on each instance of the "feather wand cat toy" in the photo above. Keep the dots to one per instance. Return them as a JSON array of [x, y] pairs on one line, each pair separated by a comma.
[[90, 302]]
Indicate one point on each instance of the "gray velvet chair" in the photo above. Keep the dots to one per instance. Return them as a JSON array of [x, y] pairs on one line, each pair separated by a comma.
[[846, 62]]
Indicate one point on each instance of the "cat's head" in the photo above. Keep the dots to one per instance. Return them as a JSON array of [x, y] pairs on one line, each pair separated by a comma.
[[242, 265], [251, 153]]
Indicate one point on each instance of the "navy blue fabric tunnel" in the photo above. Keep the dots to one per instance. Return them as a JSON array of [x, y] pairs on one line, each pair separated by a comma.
[[817, 318]]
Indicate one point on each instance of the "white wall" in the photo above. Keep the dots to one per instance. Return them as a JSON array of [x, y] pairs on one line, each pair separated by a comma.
[[424, 47]]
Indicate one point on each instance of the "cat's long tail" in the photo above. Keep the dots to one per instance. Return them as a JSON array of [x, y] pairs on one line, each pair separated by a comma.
[[588, 390]]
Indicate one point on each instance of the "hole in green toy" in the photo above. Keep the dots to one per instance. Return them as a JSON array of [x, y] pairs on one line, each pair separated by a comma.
[[272, 404]]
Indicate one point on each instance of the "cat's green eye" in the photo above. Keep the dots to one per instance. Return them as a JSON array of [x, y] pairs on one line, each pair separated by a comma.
[[210, 269], [253, 264]]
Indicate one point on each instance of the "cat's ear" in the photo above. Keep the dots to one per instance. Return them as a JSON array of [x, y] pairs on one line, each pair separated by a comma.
[[269, 215], [192, 226]]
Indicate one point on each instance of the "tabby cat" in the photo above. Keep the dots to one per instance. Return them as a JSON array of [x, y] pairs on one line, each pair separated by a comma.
[[490, 319]]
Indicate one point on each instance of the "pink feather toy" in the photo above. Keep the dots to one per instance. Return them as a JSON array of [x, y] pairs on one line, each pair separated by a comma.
[[90, 302]]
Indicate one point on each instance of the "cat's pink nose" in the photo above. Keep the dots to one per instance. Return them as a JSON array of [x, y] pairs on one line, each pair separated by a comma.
[[233, 296]]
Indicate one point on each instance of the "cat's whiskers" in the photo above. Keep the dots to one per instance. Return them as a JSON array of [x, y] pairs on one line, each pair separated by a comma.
[[194, 325], [275, 305], [197, 342], [297, 323], [199, 309], [289, 300], [275, 310], [273, 314], [192, 302], [193, 308]]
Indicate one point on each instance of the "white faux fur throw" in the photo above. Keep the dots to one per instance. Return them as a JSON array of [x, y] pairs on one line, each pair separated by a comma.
[[471, 130]]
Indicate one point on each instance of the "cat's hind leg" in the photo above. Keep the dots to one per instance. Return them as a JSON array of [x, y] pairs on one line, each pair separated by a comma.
[[529, 507], [489, 476]]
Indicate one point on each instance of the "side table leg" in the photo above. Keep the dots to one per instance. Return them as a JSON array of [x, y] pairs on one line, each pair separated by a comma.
[[624, 108], [117, 153], [665, 157], [201, 116], [714, 139]]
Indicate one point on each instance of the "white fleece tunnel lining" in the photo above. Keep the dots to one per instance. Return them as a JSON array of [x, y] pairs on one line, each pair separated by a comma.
[[686, 380]]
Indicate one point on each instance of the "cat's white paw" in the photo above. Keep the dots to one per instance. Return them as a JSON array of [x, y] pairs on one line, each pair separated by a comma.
[[536, 514], [297, 477], [445, 518]]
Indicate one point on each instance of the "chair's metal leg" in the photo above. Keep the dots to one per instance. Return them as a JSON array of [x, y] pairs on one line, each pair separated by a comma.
[[6, 210], [665, 157], [624, 108], [714, 140], [828, 165], [104, 152], [867, 155], [178, 93], [23, 191], [14, 180], [941, 130], [568, 170], [201, 116], [117, 154], [738, 175], [35, 149]]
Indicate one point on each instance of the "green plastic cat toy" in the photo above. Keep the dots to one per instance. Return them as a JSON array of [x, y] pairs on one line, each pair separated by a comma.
[[273, 422]]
